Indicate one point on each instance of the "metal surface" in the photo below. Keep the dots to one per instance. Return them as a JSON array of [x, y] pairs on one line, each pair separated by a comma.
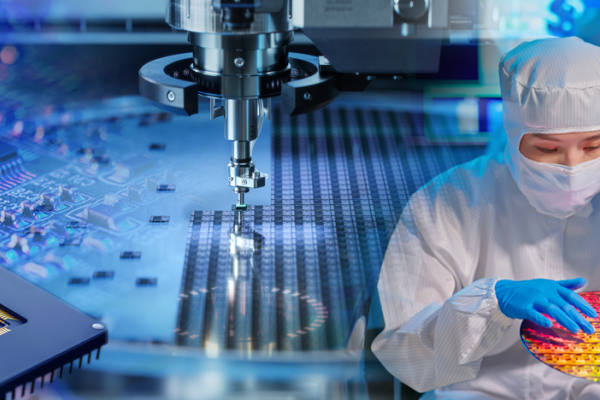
[[200, 16], [349, 13]]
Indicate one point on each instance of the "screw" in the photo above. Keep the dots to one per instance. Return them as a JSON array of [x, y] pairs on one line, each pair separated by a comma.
[[98, 326], [176, 74], [307, 96], [230, 179], [239, 62], [256, 175], [186, 72], [244, 182], [171, 95]]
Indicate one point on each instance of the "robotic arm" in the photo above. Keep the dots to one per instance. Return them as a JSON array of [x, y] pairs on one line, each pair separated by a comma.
[[240, 57]]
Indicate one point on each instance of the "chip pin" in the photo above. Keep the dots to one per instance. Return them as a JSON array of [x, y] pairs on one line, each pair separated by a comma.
[[80, 360], [98, 353], [89, 357], [61, 371], [23, 391], [52, 376], [32, 386], [43, 376], [71, 368]]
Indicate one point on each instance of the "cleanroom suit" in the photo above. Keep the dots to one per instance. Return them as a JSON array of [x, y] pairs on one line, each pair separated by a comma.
[[496, 217]]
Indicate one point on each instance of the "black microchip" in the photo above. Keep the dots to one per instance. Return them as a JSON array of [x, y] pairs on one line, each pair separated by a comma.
[[79, 281], [146, 282], [72, 240], [40, 335], [77, 225], [160, 219], [158, 146], [165, 188], [7, 152], [104, 274], [131, 254]]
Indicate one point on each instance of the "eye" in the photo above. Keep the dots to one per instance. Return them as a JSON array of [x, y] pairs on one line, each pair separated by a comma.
[[592, 148], [545, 151]]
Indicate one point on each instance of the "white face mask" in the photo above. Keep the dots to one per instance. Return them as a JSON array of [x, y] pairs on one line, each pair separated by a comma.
[[558, 190]]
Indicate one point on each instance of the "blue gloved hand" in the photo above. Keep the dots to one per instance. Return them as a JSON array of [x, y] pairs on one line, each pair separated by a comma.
[[529, 299]]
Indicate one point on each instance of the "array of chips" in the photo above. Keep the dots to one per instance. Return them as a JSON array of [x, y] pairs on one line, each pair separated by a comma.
[[575, 354]]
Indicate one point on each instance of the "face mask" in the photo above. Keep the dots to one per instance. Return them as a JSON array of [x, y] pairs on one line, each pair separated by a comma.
[[558, 190]]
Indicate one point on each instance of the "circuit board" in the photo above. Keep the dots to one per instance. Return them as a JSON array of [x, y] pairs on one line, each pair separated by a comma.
[[575, 354], [132, 221]]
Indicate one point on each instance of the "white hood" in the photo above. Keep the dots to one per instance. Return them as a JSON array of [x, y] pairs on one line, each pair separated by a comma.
[[548, 86]]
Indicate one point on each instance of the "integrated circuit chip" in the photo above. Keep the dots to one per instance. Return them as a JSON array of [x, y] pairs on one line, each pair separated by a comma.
[[158, 146], [159, 219], [131, 254], [146, 282], [40, 335], [165, 188]]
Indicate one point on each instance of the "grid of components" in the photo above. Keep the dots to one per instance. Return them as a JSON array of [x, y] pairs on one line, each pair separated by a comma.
[[575, 354], [297, 275]]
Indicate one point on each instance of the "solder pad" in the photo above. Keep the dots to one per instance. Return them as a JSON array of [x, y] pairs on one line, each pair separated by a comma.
[[40, 334]]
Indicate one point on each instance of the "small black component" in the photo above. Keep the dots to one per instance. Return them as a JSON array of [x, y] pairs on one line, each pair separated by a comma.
[[72, 240], [165, 187], [79, 281], [104, 274], [77, 225], [158, 146], [131, 254], [7, 153], [102, 160], [145, 282], [27, 313], [160, 219]]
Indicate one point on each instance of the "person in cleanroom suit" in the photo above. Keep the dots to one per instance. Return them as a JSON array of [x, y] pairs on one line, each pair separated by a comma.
[[501, 239]]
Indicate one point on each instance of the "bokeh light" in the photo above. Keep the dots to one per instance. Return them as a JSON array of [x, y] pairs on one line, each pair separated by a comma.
[[9, 55]]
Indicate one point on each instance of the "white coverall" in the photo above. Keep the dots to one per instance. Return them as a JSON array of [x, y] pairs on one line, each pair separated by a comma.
[[473, 225]]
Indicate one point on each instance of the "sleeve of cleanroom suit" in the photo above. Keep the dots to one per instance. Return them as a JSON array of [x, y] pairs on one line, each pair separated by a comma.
[[439, 322]]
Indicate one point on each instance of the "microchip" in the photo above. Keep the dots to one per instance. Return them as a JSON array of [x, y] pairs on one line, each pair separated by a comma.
[[72, 240], [104, 274], [165, 188], [79, 281], [145, 282], [160, 219], [40, 335], [158, 146], [7, 153], [77, 225], [131, 254]]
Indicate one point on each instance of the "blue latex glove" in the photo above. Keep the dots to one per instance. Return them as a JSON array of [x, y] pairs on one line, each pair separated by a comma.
[[529, 299]]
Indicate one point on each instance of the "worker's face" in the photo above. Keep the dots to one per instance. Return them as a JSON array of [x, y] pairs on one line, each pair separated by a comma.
[[568, 149]]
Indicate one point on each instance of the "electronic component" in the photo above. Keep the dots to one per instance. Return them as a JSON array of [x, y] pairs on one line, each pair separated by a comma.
[[131, 168], [74, 240], [165, 188], [70, 194], [146, 282], [32, 210], [158, 146], [79, 281], [77, 225], [26, 313], [7, 153], [137, 193], [159, 219], [51, 202], [131, 254], [12, 218], [104, 274], [103, 215]]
